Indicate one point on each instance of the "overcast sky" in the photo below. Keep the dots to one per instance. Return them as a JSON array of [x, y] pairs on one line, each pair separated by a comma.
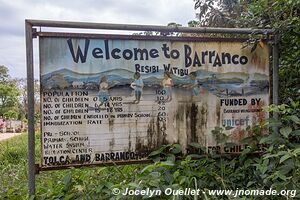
[[13, 14]]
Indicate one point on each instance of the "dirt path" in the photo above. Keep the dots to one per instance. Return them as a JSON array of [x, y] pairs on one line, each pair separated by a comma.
[[5, 136]]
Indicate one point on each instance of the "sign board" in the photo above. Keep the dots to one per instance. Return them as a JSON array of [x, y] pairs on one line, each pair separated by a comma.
[[117, 100]]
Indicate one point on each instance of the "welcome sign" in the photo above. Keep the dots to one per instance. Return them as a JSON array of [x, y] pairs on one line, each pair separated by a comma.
[[116, 100]]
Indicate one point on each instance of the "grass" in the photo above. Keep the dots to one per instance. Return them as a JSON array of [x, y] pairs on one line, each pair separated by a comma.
[[13, 167], [83, 183]]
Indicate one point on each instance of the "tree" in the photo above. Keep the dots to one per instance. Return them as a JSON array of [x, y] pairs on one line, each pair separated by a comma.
[[158, 33], [3, 73], [284, 17], [23, 109], [9, 94], [220, 13], [281, 15]]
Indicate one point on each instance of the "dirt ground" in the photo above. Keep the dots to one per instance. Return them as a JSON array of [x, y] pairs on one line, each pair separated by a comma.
[[5, 136]]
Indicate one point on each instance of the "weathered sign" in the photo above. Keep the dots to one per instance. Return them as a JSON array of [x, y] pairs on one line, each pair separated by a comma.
[[107, 100]]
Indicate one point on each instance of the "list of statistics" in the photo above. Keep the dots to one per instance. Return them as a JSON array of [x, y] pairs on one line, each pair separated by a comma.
[[78, 128]]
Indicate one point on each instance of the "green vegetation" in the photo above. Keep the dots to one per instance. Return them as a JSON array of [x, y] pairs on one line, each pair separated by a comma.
[[13, 96], [9, 94], [13, 167], [277, 168], [87, 183]]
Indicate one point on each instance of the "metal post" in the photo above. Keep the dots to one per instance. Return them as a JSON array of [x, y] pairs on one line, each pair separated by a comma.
[[275, 76], [275, 70], [134, 27], [30, 95]]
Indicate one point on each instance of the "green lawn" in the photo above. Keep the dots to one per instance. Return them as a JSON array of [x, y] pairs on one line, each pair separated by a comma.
[[13, 166], [84, 183]]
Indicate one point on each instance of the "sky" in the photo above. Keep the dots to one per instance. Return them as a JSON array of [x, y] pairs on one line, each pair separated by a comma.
[[14, 13]]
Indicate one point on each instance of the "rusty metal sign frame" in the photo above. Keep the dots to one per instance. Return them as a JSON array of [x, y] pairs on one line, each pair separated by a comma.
[[31, 32]]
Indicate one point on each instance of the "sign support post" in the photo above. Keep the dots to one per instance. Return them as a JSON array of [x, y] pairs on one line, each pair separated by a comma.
[[275, 75], [30, 96]]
